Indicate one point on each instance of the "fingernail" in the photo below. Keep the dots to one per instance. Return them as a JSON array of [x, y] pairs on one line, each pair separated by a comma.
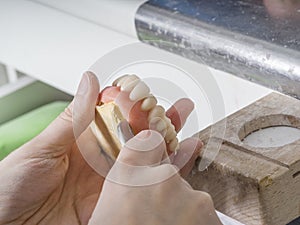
[[84, 84], [199, 151], [144, 134], [199, 146]]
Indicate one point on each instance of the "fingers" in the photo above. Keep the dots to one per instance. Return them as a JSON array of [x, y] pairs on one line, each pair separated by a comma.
[[189, 149], [84, 102], [144, 149], [283, 9], [138, 160], [186, 156], [76, 118], [179, 112]]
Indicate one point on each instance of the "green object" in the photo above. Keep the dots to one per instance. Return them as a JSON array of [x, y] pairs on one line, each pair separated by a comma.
[[20, 130]]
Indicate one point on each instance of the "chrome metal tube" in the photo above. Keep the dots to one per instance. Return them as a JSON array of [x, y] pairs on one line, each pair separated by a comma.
[[267, 52]]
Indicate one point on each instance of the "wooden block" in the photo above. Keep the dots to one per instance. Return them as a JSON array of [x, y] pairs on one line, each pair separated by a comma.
[[254, 185]]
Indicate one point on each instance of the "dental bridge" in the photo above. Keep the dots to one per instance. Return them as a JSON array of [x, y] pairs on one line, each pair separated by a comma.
[[129, 99]]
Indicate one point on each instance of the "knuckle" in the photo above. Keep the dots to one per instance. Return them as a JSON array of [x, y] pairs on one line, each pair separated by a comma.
[[66, 115], [68, 111], [206, 196], [205, 200]]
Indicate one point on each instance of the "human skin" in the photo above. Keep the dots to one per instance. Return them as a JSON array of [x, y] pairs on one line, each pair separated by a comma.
[[156, 194], [283, 9], [47, 181]]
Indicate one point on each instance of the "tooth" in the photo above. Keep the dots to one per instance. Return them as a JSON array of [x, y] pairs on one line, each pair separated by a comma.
[[159, 125], [173, 145], [163, 132], [171, 134], [157, 111], [168, 121], [130, 83], [148, 103], [115, 83], [140, 91], [123, 79]]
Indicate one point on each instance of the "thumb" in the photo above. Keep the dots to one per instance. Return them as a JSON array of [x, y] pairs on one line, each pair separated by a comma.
[[145, 149], [139, 157], [77, 116]]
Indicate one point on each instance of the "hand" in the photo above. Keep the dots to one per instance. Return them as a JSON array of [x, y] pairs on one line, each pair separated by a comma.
[[47, 181], [283, 9], [141, 190]]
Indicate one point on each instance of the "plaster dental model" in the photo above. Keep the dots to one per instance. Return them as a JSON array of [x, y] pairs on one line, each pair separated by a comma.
[[129, 98]]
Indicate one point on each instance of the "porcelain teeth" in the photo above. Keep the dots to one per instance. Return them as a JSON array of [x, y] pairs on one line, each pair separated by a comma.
[[158, 121], [149, 103], [170, 134], [117, 82], [129, 83], [157, 111], [173, 145], [159, 125], [140, 91]]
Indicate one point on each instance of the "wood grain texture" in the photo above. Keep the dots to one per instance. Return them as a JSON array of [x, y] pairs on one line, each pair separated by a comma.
[[107, 118], [254, 185]]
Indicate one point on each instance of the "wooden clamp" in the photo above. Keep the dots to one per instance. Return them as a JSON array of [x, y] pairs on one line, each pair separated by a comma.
[[255, 185]]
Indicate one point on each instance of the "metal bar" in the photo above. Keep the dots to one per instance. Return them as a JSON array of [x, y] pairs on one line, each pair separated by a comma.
[[273, 64]]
